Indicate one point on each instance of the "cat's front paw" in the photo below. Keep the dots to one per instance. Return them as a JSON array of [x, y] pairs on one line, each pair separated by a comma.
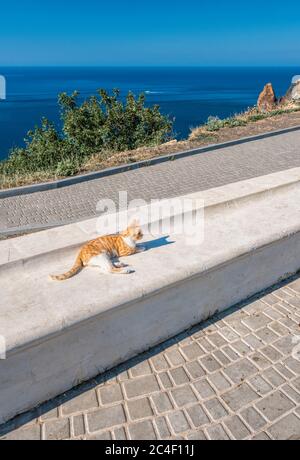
[[127, 271], [120, 265]]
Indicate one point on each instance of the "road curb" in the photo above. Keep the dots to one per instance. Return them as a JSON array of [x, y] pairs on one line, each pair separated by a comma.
[[28, 189]]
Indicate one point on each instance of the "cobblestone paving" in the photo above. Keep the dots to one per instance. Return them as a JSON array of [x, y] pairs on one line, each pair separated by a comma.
[[237, 376], [183, 176]]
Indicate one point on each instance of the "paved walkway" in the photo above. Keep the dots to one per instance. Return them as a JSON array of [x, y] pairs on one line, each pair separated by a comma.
[[169, 179], [236, 376]]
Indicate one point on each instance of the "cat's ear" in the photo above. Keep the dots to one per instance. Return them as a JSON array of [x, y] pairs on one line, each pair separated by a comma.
[[135, 223]]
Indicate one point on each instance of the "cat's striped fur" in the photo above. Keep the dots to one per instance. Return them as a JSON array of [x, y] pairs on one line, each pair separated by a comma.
[[101, 251]]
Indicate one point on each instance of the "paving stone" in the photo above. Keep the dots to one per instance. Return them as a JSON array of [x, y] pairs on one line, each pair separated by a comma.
[[255, 307], [237, 428], [165, 380], [294, 301], [206, 345], [103, 436], [106, 418], [284, 371], [215, 409], [240, 328], [217, 433], [162, 428], [120, 434], [271, 299], [232, 355], [287, 428], [296, 383], [111, 394], [288, 322], [78, 425], [178, 422], [291, 393], [183, 395], [257, 321], [229, 334], [295, 286], [271, 353], [240, 370], [29, 433], [273, 314], [261, 437], [293, 365], [123, 376], [195, 370], [283, 308], [142, 431], [141, 386], [84, 401], [175, 357], [184, 339], [217, 339], [198, 416], [260, 385], [283, 294], [57, 430], [279, 329], [179, 376], [197, 436], [49, 415], [139, 408], [204, 389], [233, 315], [221, 357], [162, 402], [140, 369], [253, 342], [260, 360], [253, 418], [219, 381], [274, 405], [239, 397], [210, 363], [192, 351], [273, 377], [241, 347], [159, 362]]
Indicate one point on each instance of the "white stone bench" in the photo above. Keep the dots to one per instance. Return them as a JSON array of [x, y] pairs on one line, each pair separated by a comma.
[[59, 334]]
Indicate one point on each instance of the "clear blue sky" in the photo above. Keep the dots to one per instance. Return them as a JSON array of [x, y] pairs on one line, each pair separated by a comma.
[[156, 32]]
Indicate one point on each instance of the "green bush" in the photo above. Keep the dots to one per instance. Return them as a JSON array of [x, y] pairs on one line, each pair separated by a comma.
[[215, 123], [100, 123], [105, 122]]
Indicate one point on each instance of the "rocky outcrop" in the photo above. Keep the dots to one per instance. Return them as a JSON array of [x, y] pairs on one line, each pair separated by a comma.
[[293, 93], [267, 99]]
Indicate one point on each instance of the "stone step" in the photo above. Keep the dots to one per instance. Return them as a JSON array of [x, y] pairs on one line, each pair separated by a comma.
[[58, 335]]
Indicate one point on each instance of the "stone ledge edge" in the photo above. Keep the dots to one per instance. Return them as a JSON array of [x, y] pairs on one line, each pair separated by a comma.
[[214, 199]]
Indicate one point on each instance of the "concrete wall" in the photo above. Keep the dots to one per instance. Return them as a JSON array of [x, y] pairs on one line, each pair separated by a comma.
[[59, 335]]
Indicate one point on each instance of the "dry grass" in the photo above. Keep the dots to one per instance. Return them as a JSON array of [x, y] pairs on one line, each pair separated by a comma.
[[252, 115]]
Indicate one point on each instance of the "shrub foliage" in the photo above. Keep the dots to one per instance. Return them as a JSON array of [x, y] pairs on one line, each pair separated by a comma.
[[101, 123]]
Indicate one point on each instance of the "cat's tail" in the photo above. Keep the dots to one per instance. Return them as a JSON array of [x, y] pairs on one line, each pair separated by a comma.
[[74, 270]]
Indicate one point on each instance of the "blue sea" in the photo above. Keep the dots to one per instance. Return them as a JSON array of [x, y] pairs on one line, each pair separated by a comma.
[[187, 94]]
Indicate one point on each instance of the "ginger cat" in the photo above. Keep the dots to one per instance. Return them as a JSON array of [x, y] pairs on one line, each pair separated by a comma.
[[101, 251]]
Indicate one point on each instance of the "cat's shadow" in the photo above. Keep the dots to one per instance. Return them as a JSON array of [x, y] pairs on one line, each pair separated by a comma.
[[163, 241], [148, 245]]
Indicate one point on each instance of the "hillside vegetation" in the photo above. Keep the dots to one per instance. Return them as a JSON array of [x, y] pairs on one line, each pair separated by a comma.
[[103, 131], [102, 124]]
